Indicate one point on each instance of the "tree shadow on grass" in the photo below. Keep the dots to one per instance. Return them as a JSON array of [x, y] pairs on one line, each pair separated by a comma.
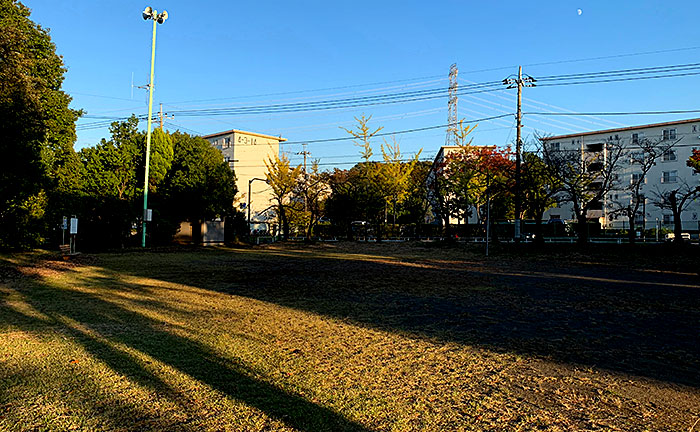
[[623, 320], [84, 317]]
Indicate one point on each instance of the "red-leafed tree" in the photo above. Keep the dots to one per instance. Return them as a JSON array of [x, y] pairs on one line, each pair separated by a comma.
[[694, 160], [477, 175]]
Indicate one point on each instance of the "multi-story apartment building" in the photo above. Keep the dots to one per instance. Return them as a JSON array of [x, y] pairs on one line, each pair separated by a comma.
[[246, 153], [679, 138]]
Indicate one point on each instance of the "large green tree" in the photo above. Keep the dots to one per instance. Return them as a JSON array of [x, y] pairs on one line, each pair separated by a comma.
[[198, 186], [37, 127]]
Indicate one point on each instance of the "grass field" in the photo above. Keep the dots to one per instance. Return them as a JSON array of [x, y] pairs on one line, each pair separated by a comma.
[[350, 337]]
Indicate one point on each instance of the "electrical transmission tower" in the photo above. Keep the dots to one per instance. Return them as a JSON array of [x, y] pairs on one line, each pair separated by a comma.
[[450, 139]]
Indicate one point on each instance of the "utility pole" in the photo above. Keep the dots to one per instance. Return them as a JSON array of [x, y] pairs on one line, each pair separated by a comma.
[[519, 83], [304, 153], [162, 116]]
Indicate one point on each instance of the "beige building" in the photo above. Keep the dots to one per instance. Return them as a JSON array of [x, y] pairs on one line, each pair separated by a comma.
[[246, 153]]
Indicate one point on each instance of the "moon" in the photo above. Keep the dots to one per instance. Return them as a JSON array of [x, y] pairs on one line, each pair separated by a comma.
[[579, 11]]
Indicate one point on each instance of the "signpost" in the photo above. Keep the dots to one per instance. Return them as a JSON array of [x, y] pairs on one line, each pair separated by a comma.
[[73, 231], [64, 227]]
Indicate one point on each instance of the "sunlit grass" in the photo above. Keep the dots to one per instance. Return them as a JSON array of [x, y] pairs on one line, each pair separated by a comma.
[[277, 338]]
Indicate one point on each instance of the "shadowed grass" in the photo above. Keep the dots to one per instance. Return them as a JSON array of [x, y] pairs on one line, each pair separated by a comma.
[[338, 338]]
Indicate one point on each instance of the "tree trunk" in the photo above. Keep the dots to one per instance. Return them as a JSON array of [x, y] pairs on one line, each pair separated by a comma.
[[285, 224], [677, 226], [539, 238], [631, 235], [582, 228], [446, 227]]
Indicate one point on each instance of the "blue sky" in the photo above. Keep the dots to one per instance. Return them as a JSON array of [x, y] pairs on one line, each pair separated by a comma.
[[229, 53]]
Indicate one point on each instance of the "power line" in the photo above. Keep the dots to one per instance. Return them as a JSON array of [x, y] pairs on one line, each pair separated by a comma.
[[397, 132], [613, 113], [618, 79], [586, 59], [644, 70], [347, 102], [311, 90], [623, 55]]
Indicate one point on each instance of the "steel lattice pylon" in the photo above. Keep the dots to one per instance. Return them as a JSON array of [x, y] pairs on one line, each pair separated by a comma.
[[450, 139]]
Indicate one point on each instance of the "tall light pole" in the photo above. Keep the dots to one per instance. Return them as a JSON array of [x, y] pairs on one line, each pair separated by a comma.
[[157, 18]]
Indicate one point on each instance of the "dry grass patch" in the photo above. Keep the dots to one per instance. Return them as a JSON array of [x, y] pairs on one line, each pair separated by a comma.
[[346, 337]]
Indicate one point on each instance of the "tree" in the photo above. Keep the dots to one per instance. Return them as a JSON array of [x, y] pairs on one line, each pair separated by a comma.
[[477, 176], [283, 179], [395, 174], [363, 134], [113, 181], [162, 154], [198, 186], [416, 205], [540, 189], [585, 176], [37, 127], [643, 160], [368, 189], [342, 206], [112, 166], [677, 200], [446, 194], [312, 188], [110, 186]]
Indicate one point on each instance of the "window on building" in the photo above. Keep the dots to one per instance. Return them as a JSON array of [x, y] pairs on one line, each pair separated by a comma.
[[669, 134], [636, 157], [669, 176], [669, 155], [695, 128], [668, 219], [639, 219], [637, 178], [554, 146], [617, 137], [637, 137], [597, 147]]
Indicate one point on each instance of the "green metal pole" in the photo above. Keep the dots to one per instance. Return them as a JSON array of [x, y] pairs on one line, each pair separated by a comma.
[[148, 137]]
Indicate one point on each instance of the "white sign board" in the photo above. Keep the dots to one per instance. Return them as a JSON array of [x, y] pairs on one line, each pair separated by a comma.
[[74, 225], [148, 215]]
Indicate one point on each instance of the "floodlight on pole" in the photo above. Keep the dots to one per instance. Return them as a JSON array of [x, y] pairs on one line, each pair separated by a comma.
[[152, 14]]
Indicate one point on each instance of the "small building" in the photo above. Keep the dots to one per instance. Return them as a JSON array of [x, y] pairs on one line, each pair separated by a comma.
[[246, 153]]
